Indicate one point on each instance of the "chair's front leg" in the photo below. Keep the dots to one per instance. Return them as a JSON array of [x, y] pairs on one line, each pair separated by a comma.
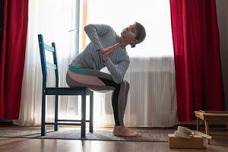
[[83, 117], [91, 114], [56, 113], [43, 111]]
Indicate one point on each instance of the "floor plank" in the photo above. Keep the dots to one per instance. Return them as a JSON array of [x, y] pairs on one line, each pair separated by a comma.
[[49, 145]]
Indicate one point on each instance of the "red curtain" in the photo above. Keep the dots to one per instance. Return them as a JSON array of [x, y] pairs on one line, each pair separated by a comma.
[[12, 55], [197, 57]]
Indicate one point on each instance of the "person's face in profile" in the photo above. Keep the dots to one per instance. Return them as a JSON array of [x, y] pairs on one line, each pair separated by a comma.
[[129, 34]]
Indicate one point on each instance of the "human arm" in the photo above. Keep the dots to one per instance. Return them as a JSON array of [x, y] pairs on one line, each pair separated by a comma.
[[94, 31], [117, 70], [107, 51]]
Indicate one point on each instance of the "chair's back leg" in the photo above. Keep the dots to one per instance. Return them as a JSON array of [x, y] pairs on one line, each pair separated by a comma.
[[91, 114], [83, 116], [43, 112], [56, 113]]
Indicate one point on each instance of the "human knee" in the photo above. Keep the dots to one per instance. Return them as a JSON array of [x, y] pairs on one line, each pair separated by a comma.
[[126, 84]]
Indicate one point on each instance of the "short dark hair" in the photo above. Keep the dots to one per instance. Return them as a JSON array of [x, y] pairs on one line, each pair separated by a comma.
[[141, 33]]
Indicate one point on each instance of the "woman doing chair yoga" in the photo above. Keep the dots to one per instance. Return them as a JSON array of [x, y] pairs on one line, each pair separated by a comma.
[[107, 49]]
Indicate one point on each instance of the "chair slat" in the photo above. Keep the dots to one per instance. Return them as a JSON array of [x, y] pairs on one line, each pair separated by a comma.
[[70, 120], [51, 123], [49, 48]]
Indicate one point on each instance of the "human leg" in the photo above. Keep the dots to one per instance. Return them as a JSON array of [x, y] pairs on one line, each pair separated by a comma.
[[119, 97], [119, 102]]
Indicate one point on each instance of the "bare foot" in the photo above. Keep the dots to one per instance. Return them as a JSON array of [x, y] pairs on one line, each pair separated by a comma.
[[122, 131]]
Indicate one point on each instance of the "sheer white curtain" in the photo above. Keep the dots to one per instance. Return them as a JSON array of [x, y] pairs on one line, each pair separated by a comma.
[[152, 96], [54, 19]]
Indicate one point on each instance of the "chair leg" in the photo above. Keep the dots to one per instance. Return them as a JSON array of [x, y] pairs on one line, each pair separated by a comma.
[[206, 127], [56, 113], [207, 130], [197, 124], [83, 118], [91, 114], [43, 111]]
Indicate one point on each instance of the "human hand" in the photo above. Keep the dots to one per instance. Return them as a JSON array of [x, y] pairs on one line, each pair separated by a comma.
[[107, 51]]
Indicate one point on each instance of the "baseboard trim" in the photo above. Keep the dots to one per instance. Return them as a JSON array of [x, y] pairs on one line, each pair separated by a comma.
[[6, 122]]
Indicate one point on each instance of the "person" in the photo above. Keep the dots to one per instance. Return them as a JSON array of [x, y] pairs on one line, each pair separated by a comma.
[[107, 49]]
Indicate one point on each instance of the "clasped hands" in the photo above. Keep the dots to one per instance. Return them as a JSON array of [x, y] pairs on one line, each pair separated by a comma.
[[107, 51]]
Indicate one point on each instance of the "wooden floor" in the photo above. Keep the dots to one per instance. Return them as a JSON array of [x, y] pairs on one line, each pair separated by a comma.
[[52, 145]]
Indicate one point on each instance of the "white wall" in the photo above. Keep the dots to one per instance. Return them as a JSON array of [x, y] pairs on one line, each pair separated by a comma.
[[222, 10]]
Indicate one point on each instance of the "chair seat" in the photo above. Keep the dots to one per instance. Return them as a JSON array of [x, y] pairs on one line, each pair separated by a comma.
[[67, 91]]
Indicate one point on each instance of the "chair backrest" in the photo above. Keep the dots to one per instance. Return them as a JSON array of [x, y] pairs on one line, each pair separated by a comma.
[[45, 64]]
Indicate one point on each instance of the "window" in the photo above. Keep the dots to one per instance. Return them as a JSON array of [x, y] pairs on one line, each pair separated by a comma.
[[153, 14]]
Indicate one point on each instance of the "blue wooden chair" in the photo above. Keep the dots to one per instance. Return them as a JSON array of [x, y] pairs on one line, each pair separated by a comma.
[[57, 91]]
